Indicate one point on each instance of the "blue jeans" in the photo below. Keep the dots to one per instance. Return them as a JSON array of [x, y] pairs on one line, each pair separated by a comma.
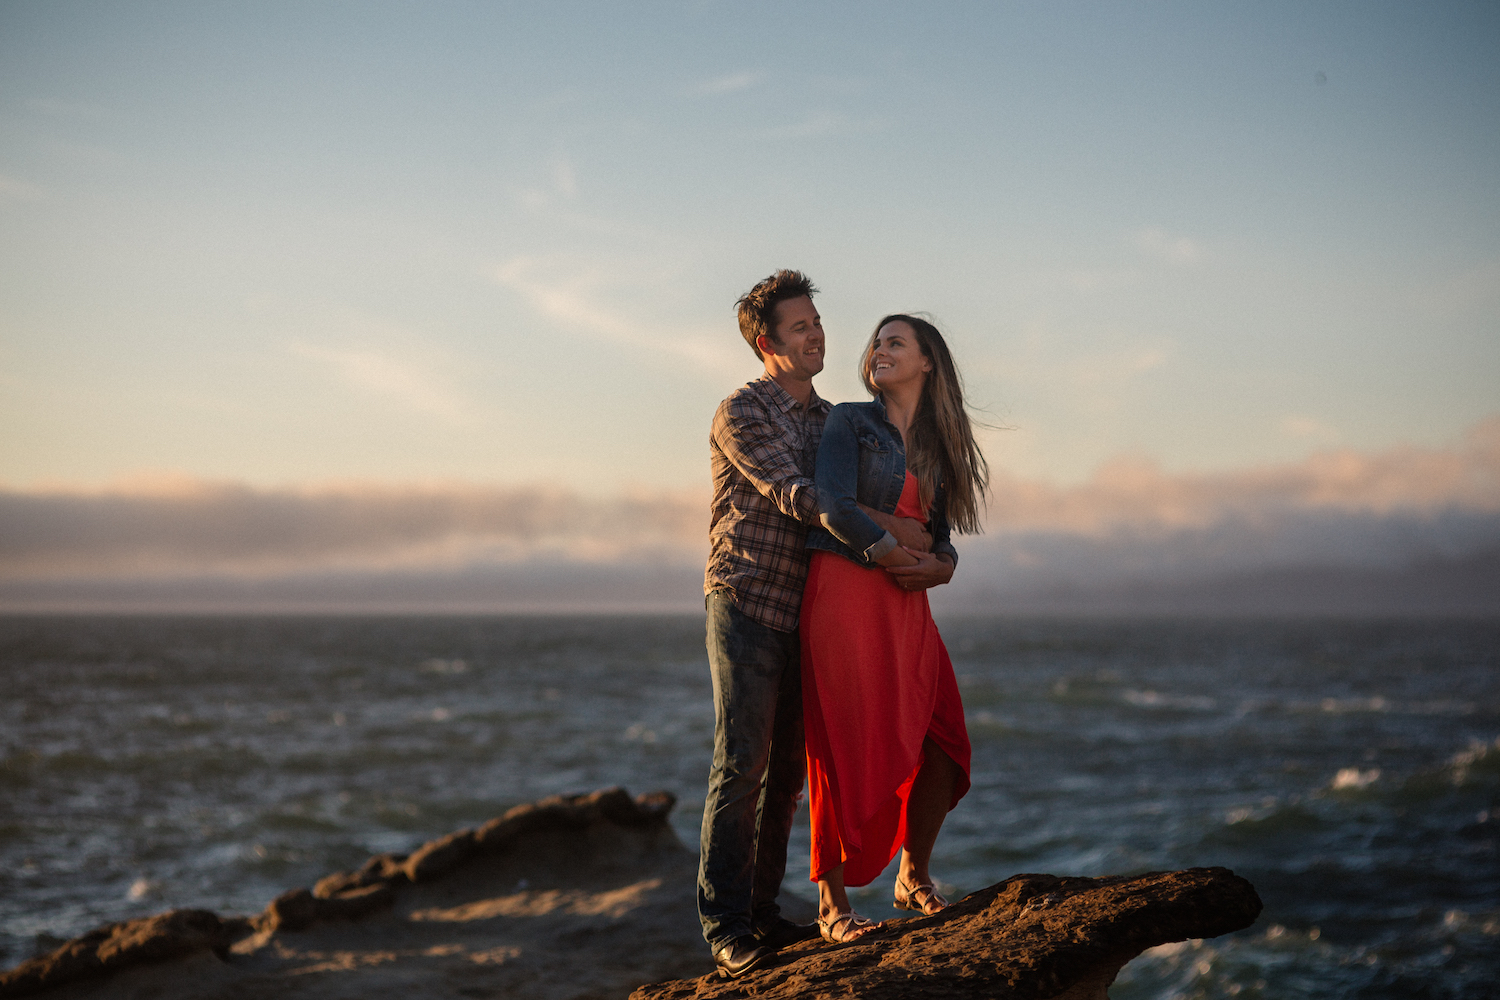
[[760, 761]]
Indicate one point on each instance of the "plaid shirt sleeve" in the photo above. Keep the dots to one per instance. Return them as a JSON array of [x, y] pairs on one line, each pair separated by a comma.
[[761, 453], [759, 450]]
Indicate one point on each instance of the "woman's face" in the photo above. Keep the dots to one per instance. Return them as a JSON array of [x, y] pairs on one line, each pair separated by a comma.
[[895, 358]]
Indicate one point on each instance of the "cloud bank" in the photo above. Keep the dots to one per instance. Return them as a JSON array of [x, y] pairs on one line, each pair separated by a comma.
[[158, 529], [1407, 529]]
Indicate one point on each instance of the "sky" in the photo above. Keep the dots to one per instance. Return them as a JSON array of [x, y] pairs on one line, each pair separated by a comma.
[[409, 257]]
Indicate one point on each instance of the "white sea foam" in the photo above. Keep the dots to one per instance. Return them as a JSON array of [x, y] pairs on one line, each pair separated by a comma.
[[1341, 705], [1171, 949], [1158, 699], [1353, 777], [1479, 755], [1267, 807], [437, 666], [141, 888]]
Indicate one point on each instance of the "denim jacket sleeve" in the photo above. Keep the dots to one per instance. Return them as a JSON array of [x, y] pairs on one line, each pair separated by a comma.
[[942, 531], [837, 477]]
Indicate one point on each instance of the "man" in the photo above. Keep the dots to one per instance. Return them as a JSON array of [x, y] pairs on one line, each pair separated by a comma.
[[762, 446]]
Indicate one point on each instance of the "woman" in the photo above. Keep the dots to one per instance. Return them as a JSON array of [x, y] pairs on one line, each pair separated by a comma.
[[887, 751]]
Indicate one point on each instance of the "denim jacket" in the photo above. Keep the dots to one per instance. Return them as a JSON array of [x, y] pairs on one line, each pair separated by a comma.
[[862, 460]]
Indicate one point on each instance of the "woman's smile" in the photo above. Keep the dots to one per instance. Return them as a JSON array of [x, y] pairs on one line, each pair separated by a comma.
[[895, 357]]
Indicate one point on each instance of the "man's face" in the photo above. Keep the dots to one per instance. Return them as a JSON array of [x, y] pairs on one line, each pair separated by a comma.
[[799, 329]]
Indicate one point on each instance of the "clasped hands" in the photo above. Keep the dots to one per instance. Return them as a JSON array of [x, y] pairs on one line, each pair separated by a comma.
[[913, 565]]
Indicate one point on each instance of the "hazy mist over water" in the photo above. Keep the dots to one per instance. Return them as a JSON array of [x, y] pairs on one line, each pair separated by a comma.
[[1349, 768]]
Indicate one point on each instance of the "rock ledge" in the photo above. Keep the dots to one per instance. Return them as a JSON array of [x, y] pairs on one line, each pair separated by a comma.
[[1031, 937], [341, 896]]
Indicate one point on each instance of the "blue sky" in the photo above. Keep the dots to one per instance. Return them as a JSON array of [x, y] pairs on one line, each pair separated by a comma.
[[357, 286], [294, 243]]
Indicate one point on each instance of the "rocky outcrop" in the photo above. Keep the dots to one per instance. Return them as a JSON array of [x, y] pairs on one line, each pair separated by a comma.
[[587, 896], [1031, 937], [339, 897], [437, 858], [115, 946]]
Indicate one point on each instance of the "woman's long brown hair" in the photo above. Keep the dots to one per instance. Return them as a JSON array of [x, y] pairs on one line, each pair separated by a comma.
[[942, 448]]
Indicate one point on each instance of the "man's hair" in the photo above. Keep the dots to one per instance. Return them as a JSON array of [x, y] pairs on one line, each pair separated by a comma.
[[757, 307]]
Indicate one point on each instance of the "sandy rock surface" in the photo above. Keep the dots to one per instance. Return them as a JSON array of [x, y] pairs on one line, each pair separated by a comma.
[[1031, 937], [592, 895], [584, 907]]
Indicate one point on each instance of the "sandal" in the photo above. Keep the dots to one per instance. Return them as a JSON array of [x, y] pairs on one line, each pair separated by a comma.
[[845, 927], [919, 898]]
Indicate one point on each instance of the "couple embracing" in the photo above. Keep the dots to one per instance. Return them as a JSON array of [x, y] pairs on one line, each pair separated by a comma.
[[828, 525]]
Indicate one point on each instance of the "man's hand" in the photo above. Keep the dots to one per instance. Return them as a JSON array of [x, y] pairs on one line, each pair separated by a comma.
[[908, 531], [929, 571]]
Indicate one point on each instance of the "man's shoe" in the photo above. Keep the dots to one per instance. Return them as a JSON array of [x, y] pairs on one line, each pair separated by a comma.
[[740, 956], [782, 932]]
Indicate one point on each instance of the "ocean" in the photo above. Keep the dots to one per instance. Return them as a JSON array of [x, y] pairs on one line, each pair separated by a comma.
[[1349, 769]]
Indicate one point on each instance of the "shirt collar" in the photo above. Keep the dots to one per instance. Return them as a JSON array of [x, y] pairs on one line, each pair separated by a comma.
[[783, 399]]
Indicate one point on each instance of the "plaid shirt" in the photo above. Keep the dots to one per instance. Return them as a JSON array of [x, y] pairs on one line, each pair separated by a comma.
[[761, 450]]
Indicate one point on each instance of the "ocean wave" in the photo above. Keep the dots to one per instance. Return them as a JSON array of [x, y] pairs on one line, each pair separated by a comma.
[[1381, 705], [1476, 768], [440, 666], [1270, 821], [993, 724], [1354, 778], [1086, 690], [25, 766], [1107, 687], [1069, 774], [1159, 699], [1448, 947], [1480, 762]]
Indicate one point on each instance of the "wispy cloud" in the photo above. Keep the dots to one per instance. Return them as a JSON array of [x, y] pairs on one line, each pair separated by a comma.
[[381, 374], [580, 299], [730, 83], [1097, 374], [1306, 428], [1167, 246], [562, 186], [568, 300], [1117, 367]]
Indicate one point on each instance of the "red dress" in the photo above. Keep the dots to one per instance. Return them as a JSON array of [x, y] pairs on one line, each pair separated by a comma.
[[876, 680]]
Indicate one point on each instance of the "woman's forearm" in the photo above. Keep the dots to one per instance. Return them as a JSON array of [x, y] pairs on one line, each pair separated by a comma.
[[908, 531], [898, 557]]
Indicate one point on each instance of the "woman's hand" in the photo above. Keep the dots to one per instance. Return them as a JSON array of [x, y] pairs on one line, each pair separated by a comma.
[[924, 571], [910, 534]]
